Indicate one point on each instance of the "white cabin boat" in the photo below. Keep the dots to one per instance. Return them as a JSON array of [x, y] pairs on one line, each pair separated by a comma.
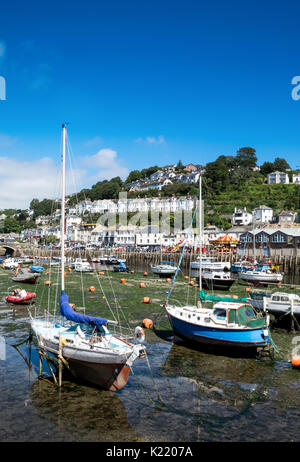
[[282, 303], [82, 265], [210, 264], [263, 277]]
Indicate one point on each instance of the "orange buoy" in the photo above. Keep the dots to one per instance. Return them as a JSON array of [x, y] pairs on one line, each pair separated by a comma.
[[48, 283], [142, 285], [292, 287], [248, 289], [131, 271], [72, 305], [70, 269], [186, 277], [148, 323], [101, 273], [296, 361], [168, 280], [123, 281], [145, 274], [191, 283], [146, 300], [92, 289]]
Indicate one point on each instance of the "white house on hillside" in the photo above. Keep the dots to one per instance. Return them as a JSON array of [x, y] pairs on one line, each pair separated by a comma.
[[296, 178], [262, 214], [241, 217], [278, 177]]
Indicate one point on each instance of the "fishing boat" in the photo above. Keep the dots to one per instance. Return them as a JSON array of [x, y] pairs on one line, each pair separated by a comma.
[[24, 275], [227, 323], [216, 280], [233, 324], [210, 264], [93, 353], [165, 269]]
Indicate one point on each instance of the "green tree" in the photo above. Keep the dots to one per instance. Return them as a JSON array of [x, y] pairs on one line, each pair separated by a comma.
[[246, 157], [280, 165], [133, 176]]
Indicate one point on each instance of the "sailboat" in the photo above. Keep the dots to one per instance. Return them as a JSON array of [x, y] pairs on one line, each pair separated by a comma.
[[92, 352], [228, 323]]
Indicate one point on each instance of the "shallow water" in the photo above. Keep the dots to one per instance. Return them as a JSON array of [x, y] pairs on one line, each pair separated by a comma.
[[186, 395]]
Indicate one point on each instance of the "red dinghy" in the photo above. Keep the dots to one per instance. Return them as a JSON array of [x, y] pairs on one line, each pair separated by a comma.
[[20, 300]]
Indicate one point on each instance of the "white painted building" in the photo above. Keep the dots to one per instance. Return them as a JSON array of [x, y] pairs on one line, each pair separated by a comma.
[[278, 177], [241, 217], [262, 214], [296, 178]]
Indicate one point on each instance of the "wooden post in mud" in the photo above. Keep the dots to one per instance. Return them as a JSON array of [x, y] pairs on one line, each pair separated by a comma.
[[59, 362]]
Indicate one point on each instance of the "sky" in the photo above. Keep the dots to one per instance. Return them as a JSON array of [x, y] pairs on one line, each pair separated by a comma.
[[142, 83]]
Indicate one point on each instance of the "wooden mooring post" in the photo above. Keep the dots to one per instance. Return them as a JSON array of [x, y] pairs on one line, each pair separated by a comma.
[[58, 362]]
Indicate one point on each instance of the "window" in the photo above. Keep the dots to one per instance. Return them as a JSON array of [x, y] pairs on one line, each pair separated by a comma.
[[278, 238], [262, 238], [246, 238], [220, 313]]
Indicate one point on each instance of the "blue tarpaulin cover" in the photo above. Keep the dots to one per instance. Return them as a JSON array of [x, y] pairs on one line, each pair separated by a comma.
[[67, 311]]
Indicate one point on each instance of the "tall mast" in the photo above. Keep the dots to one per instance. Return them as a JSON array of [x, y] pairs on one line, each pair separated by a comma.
[[63, 196], [200, 231]]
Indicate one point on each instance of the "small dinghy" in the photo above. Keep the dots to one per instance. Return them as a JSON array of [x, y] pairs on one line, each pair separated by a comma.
[[36, 269], [25, 276], [20, 298]]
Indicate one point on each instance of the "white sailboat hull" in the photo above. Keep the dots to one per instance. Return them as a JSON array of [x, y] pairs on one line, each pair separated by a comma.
[[98, 364]]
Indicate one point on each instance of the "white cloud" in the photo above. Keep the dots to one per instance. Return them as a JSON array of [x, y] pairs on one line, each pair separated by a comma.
[[94, 141], [21, 181], [106, 165], [151, 140]]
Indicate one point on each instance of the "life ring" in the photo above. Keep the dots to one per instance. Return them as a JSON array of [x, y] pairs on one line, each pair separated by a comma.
[[139, 333]]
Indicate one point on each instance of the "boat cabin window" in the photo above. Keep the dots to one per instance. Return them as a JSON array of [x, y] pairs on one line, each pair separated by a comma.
[[220, 313], [276, 298], [285, 299], [245, 314]]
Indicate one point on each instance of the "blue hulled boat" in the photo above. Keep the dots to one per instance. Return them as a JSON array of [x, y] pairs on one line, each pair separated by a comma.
[[227, 323]]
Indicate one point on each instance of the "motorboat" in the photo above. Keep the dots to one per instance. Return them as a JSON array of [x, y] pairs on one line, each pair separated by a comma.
[[216, 280], [280, 303], [111, 260], [260, 277], [24, 275], [210, 264], [165, 269], [11, 263], [82, 265], [227, 323]]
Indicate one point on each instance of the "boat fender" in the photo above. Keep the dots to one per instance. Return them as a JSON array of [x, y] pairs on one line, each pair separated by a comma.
[[140, 334], [80, 333]]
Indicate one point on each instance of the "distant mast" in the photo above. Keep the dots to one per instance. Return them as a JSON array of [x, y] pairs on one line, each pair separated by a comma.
[[63, 196]]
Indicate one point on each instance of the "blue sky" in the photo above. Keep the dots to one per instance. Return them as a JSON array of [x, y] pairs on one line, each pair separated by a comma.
[[143, 83]]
